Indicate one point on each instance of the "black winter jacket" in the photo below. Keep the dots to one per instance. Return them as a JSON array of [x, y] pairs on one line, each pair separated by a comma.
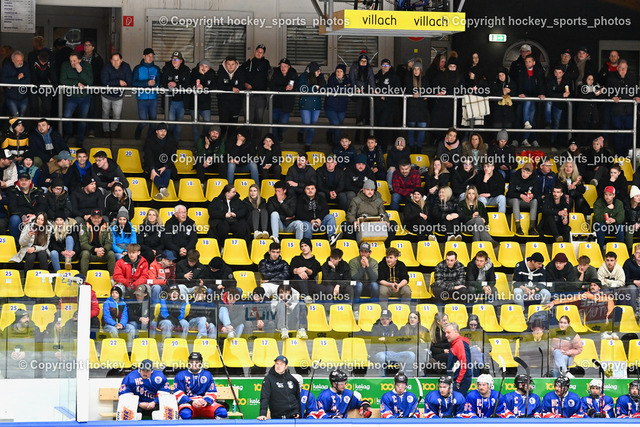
[[273, 270], [180, 77], [218, 209], [281, 395], [286, 210], [307, 210]]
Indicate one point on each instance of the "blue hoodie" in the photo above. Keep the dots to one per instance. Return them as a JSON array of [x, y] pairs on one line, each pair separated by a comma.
[[142, 73], [112, 311], [121, 238]]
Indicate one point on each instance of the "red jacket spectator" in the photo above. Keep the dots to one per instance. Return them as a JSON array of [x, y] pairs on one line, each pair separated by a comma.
[[406, 185], [160, 272], [131, 273]]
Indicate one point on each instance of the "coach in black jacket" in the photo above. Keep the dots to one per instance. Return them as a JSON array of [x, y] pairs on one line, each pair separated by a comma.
[[280, 392]]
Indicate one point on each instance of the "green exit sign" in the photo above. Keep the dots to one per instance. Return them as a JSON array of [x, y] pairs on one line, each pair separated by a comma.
[[501, 38]]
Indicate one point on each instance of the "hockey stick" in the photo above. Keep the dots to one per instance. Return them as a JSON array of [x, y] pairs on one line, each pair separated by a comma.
[[542, 362], [415, 408], [504, 373], [528, 371], [306, 403], [602, 374], [226, 371]]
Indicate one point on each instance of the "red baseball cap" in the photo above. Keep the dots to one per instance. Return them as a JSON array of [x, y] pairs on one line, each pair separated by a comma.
[[610, 189]]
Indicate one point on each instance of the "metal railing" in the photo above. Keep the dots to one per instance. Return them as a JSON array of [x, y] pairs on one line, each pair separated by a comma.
[[130, 91]]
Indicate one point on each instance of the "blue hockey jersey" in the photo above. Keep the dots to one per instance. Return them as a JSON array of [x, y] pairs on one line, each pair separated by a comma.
[[337, 405], [483, 407], [596, 404], [571, 405], [436, 406], [312, 407], [626, 407], [394, 405], [517, 404], [147, 390], [188, 386]]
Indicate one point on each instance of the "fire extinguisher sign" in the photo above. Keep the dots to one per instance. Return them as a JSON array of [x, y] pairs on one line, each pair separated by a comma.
[[127, 21]]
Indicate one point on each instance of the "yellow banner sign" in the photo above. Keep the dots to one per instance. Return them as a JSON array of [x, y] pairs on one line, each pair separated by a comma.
[[399, 20]]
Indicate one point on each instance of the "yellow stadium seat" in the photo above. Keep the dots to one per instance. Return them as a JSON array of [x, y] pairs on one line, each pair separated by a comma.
[[429, 253], [38, 286], [525, 220], [101, 282], [43, 315], [322, 250], [628, 323], [378, 251], [533, 247], [139, 214], [129, 160], [571, 311], [354, 352], [368, 314], [214, 187], [317, 318], [236, 353], [265, 351], [66, 311], [535, 308], [399, 313], [184, 162], [457, 313], [419, 288], [190, 191], [325, 349], [564, 248], [502, 286], [634, 353], [420, 160], [208, 249], [316, 158], [266, 188], [339, 215], [201, 217], [297, 352], [578, 224], [72, 151], [488, 319], [94, 150], [10, 284], [460, 248], [590, 194], [242, 187], [488, 248], [498, 225], [501, 347], [144, 348], [235, 252], [349, 249], [406, 252], [62, 286], [139, 190], [385, 192], [509, 254], [612, 351], [290, 248], [288, 160], [165, 214], [620, 250], [209, 350], [113, 353], [341, 318], [172, 198], [7, 248], [259, 247], [625, 165], [246, 280], [175, 353], [512, 318], [592, 250], [93, 353], [585, 359], [427, 313], [8, 316], [402, 230]]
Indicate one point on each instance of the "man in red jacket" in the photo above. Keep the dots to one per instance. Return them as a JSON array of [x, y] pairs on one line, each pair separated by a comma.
[[459, 363], [131, 270]]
